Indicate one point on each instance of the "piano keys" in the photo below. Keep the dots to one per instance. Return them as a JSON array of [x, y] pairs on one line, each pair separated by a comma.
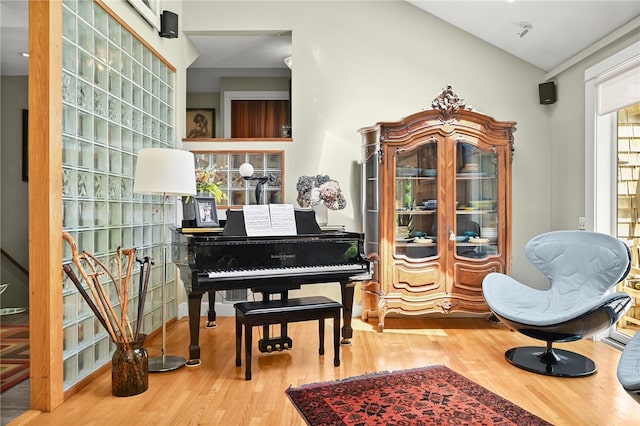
[[212, 261]]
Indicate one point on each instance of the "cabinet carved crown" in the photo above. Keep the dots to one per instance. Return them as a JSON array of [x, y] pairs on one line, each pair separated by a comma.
[[448, 103]]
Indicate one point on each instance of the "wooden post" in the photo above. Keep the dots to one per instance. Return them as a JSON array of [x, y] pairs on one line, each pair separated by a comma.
[[45, 204]]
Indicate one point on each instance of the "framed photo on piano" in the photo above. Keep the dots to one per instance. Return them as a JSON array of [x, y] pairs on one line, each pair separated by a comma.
[[206, 213]]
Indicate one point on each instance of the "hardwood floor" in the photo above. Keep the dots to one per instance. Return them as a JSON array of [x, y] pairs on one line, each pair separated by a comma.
[[217, 394]]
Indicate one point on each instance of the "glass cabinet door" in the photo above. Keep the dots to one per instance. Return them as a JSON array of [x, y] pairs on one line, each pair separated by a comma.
[[476, 231], [416, 203], [371, 193]]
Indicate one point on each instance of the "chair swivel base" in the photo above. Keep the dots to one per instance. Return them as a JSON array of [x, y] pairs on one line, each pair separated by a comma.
[[556, 362], [166, 363]]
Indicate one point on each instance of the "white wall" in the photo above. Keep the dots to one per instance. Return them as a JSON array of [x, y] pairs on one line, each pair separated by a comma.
[[14, 202], [567, 127], [357, 63]]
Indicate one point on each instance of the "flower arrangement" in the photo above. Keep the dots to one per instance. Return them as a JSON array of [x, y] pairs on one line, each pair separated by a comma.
[[313, 190], [208, 180]]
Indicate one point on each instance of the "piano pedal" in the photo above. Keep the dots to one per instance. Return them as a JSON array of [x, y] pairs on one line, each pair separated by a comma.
[[210, 324], [275, 343]]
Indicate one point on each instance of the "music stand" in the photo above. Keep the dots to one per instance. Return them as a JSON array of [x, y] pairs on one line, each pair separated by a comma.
[[165, 172]]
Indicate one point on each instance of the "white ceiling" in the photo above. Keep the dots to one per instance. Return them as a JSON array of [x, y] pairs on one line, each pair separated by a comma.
[[559, 30], [14, 37], [248, 50]]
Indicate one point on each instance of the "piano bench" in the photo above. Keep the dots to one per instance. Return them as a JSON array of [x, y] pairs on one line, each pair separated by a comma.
[[269, 312]]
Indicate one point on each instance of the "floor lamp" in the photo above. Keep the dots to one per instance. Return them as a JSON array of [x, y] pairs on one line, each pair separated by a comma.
[[165, 172]]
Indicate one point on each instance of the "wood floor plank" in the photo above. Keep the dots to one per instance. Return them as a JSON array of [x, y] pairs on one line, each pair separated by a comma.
[[216, 393]]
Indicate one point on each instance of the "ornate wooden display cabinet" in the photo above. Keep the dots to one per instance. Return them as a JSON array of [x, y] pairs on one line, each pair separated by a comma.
[[437, 209]]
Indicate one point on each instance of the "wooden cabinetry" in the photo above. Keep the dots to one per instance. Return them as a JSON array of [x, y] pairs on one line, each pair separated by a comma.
[[437, 209]]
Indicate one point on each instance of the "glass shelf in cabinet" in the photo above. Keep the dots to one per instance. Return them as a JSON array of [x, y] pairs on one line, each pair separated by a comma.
[[423, 211], [470, 244], [414, 244], [464, 209], [475, 175]]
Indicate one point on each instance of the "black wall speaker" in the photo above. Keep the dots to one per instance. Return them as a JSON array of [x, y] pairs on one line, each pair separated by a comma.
[[547, 93], [168, 24]]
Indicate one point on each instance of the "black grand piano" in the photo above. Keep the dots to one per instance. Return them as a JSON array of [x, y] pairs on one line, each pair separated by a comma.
[[228, 259]]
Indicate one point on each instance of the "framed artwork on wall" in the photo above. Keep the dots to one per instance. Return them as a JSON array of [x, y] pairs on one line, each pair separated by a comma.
[[206, 213], [201, 123], [25, 145]]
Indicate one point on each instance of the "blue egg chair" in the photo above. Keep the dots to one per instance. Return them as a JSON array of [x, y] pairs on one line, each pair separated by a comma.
[[581, 267], [629, 367]]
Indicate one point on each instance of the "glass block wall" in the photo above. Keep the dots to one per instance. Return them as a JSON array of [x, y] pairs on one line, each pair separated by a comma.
[[238, 190], [117, 97]]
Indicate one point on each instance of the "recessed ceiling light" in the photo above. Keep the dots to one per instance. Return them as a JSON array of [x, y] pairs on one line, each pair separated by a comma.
[[25, 54]]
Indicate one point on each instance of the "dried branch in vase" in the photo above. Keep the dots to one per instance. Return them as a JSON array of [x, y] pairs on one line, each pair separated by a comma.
[[92, 271]]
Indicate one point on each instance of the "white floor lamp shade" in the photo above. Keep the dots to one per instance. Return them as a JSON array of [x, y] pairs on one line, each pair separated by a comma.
[[163, 171]]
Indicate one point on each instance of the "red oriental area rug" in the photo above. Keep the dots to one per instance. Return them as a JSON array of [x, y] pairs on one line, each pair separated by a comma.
[[14, 355], [433, 395]]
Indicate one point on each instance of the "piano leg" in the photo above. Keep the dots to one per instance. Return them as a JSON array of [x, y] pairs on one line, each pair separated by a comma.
[[347, 290], [194, 301], [211, 313]]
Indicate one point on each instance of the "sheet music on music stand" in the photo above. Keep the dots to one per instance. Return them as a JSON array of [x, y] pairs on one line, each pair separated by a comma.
[[272, 219], [283, 219]]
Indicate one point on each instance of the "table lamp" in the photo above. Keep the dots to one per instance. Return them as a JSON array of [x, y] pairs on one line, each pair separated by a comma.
[[165, 172]]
